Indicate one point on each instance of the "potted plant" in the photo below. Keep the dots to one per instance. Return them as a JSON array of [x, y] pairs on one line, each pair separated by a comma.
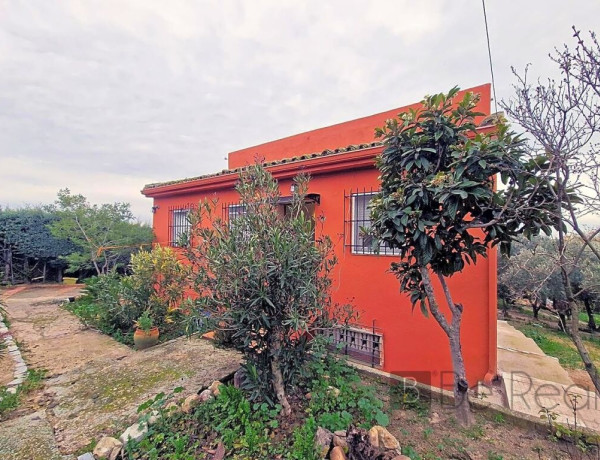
[[146, 334]]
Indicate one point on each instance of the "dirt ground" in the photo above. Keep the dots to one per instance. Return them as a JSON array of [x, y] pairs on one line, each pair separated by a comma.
[[6, 367], [95, 384], [428, 430]]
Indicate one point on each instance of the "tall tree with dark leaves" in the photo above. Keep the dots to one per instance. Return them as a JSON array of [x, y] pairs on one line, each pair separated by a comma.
[[440, 208]]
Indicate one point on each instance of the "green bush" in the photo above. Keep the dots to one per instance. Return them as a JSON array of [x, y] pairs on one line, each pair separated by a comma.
[[264, 277], [113, 303], [252, 430], [339, 398]]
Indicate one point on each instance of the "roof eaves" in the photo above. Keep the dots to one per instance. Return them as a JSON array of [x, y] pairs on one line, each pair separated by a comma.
[[268, 164]]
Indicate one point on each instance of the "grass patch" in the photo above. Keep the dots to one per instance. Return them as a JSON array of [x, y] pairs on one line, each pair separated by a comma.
[[559, 345], [10, 401], [583, 317]]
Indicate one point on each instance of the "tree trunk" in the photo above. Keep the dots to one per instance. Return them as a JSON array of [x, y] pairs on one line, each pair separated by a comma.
[[536, 309], [44, 272], [278, 383], [26, 271], [590, 313], [461, 386], [573, 330], [7, 265]]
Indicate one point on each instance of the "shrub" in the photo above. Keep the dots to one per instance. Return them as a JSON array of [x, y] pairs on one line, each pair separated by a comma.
[[339, 398], [264, 279], [157, 285]]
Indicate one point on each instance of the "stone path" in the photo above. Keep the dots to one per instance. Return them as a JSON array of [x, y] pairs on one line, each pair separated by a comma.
[[95, 384], [533, 380]]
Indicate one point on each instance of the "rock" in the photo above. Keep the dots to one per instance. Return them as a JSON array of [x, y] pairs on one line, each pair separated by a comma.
[[323, 440], [135, 432], [86, 456], [340, 433], [214, 387], [190, 402], [334, 391], [337, 453], [106, 446], [154, 416], [380, 437], [115, 454], [435, 418], [11, 390], [206, 395], [401, 457], [338, 441], [308, 396]]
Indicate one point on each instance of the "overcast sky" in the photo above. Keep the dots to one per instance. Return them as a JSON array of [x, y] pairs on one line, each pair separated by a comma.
[[106, 96]]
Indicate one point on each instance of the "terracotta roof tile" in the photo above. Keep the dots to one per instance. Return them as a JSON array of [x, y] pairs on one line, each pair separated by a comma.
[[309, 156]]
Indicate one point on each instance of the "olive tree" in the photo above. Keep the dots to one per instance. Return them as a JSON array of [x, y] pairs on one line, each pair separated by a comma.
[[264, 280], [439, 207], [104, 235]]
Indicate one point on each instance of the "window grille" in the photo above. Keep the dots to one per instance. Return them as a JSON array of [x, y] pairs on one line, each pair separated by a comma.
[[365, 345], [179, 224], [235, 211], [357, 223]]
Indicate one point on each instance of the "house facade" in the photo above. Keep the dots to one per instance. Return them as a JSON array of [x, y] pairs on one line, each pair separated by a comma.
[[389, 335]]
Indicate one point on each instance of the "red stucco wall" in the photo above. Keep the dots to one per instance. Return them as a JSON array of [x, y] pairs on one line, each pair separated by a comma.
[[340, 135], [413, 344]]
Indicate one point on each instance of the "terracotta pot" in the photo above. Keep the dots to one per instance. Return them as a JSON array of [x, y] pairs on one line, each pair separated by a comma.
[[143, 339]]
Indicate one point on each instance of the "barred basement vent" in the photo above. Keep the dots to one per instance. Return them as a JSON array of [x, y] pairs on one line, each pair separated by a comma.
[[359, 344]]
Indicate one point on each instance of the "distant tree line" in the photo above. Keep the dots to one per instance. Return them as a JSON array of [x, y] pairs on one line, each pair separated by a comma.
[[69, 236], [533, 275]]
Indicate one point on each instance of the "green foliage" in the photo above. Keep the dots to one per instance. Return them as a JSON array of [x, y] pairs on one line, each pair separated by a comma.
[[437, 174], [254, 430], [10, 401], [339, 398], [145, 322], [105, 234], [304, 442], [558, 344], [533, 271], [242, 426], [407, 398], [265, 280], [25, 237], [156, 287]]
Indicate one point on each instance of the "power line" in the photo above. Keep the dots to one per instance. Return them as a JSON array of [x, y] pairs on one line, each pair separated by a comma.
[[487, 34]]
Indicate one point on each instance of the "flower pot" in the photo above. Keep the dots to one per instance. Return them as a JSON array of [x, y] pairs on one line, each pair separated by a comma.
[[143, 339]]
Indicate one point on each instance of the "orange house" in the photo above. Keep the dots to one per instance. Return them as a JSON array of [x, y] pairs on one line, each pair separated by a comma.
[[340, 160]]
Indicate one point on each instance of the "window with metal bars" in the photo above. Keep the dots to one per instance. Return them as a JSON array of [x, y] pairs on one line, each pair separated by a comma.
[[359, 344], [179, 224], [358, 223], [235, 211]]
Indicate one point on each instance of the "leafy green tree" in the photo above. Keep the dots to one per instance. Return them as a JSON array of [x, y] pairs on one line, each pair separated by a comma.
[[439, 207], [25, 233], [264, 279], [106, 234]]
